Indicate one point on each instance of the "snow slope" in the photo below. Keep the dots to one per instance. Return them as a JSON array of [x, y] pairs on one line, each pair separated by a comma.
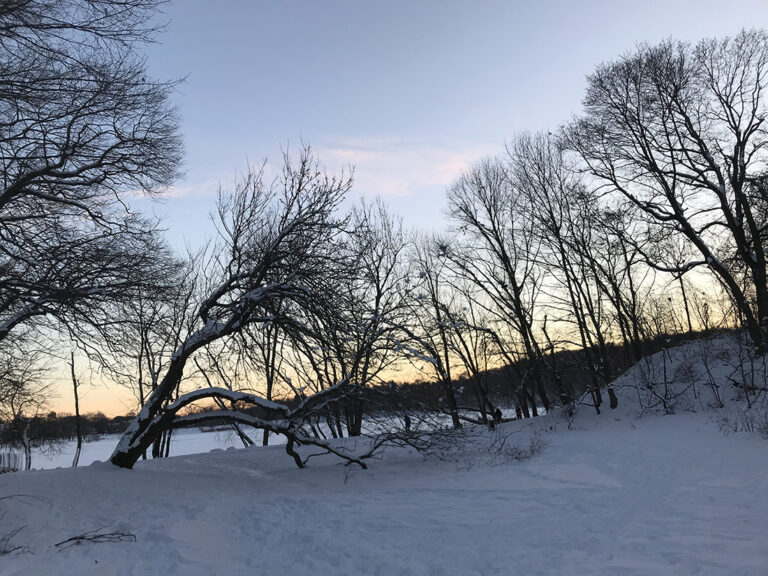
[[614, 494]]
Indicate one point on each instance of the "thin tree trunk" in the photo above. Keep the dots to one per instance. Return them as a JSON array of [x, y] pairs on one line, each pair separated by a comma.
[[25, 442], [78, 430], [685, 303]]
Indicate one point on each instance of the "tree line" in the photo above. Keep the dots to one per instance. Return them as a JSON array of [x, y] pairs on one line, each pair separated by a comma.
[[643, 218]]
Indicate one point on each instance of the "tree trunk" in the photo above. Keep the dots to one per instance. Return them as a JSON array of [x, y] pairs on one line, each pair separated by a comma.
[[26, 444], [78, 430]]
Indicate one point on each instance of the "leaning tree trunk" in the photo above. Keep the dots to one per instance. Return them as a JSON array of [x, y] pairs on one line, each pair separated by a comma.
[[146, 428], [149, 424]]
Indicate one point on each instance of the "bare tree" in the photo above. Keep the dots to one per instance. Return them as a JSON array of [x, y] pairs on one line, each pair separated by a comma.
[[276, 243], [679, 131], [473, 343], [134, 345], [609, 250], [557, 199], [379, 302], [502, 260], [82, 126], [78, 429], [135, 348], [24, 391], [428, 339], [355, 341]]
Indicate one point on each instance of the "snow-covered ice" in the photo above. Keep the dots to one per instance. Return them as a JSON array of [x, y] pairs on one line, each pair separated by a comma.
[[191, 441]]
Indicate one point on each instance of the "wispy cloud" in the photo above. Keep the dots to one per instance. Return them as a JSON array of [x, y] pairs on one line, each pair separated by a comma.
[[207, 187], [388, 167], [394, 167]]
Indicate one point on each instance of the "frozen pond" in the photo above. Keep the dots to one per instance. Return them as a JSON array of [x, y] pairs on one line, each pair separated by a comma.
[[192, 441]]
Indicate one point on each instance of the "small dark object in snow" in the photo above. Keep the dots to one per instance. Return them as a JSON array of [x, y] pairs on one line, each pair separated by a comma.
[[96, 536]]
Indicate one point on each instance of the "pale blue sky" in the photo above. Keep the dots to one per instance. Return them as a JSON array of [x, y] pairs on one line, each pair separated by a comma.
[[407, 91]]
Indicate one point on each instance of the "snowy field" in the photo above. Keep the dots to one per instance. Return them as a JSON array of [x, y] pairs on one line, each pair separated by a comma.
[[612, 494]]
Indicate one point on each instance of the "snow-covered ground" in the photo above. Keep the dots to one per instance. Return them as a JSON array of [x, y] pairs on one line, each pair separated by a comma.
[[611, 494]]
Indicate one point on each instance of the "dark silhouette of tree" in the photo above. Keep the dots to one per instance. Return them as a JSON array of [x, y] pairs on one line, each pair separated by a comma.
[[82, 127], [275, 262], [679, 131], [501, 258]]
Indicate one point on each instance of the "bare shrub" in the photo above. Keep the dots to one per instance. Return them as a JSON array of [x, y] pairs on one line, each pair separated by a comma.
[[473, 446], [753, 420], [656, 385]]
